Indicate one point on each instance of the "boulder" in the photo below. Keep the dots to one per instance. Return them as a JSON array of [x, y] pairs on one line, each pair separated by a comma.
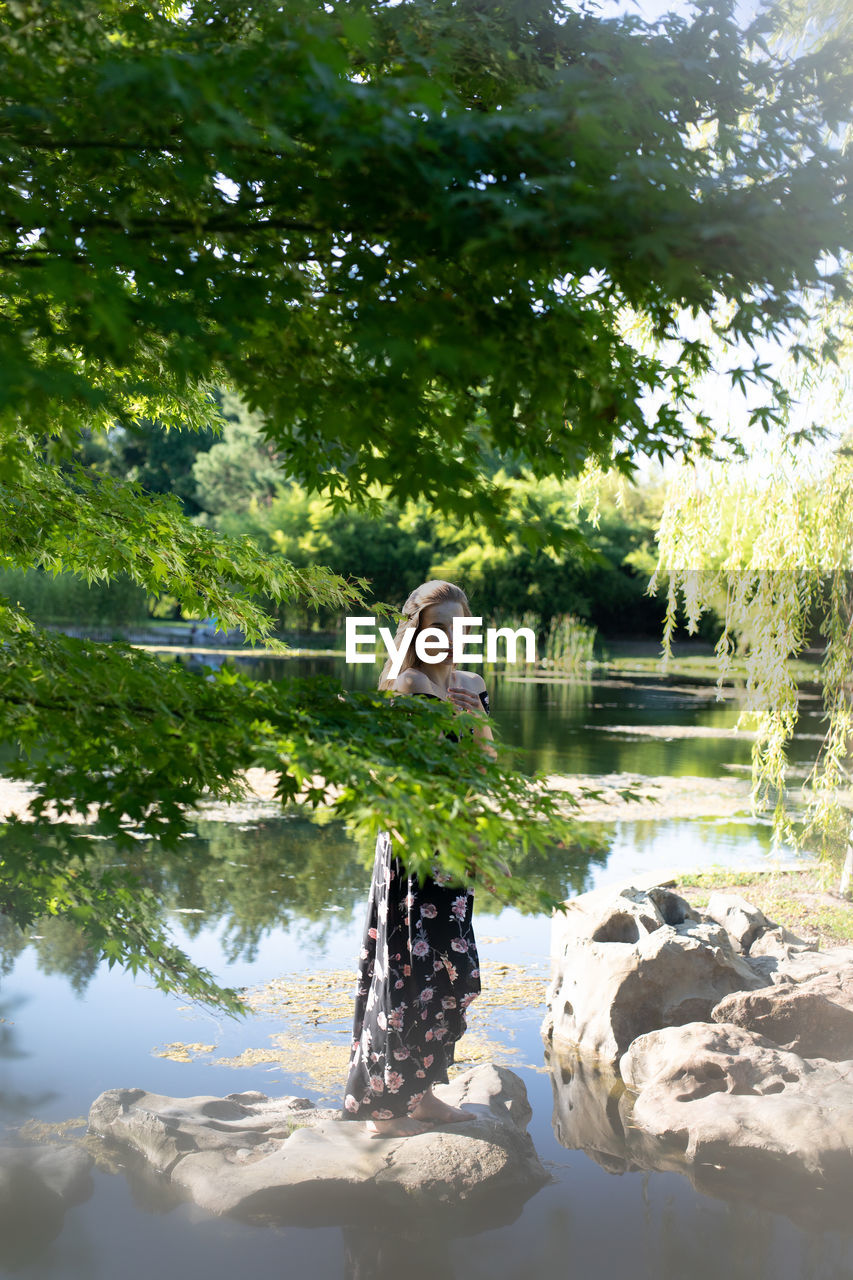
[[284, 1160], [594, 1112], [776, 940], [624, 963], [813, 1019], [729, 1098], [749, 1093], [741, 920], [781, 963]]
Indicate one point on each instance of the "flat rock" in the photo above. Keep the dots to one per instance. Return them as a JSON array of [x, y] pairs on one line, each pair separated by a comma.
[[282, 1159], [781, 963]]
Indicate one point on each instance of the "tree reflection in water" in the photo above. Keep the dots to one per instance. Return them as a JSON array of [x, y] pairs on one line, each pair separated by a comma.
[[258, 875]]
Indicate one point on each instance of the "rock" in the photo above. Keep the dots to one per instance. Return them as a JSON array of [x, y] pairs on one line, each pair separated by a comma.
[[281, 1159], [750, 1093], [729, 1098], [813, 1019], [630, 962], [594, 1113], [779, 941], [37, 1185], [741, 921], [780, 963]]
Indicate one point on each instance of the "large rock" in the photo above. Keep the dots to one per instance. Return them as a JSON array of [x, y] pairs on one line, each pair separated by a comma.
[[741, 920], [281, 1159], [781, 962], [594, 1113], [629, 962], [749, 1092], [813, 1019], [728, 1098]]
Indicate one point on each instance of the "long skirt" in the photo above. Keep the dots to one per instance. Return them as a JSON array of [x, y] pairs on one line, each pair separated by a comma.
[[418, 973]]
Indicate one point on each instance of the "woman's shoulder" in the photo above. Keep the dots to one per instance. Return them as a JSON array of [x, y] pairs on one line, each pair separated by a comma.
[[412, 681], [470, 680]]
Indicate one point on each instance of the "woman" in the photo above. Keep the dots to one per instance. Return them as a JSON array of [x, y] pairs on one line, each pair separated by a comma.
[[418, 968]]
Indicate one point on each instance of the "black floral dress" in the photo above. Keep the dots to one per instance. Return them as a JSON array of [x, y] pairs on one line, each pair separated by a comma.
[[418, 973]]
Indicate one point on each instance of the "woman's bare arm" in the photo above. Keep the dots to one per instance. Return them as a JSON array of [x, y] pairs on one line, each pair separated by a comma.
[[467, 700]]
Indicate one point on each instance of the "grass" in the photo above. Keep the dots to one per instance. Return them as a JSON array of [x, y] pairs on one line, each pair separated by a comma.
[[798, 899]]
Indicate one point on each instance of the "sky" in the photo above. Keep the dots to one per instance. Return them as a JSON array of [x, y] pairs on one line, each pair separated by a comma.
[[649, 10]]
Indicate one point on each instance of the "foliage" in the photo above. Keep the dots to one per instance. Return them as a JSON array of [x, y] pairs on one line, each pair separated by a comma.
[[569, 645], [64, 598], [240, 468], [382, 223], [779, 549], [148, 741], [595, 577], [769, 549], [413, 239], [159, 461]]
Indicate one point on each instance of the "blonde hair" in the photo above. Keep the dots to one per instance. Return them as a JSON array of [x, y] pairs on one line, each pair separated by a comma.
[[436, 591]]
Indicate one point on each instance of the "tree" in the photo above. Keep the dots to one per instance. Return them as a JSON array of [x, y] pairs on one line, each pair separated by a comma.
[[773, 551], [777, 552], [160, 462], [407, 236], [238, 469]]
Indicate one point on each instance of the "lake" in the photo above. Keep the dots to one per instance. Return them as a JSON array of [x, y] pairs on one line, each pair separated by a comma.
[[260, 896]]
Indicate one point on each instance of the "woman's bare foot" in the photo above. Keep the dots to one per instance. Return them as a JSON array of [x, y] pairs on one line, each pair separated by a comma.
[[432, 1109], [397, 1127]]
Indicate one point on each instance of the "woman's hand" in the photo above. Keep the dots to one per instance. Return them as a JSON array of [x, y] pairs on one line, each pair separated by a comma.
[[465, 700]]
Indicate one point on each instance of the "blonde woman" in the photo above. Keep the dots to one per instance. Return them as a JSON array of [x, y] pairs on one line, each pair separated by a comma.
[[418, 968]]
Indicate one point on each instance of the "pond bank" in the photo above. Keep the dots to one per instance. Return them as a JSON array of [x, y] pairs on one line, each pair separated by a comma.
[[656, 797], [797, 898]]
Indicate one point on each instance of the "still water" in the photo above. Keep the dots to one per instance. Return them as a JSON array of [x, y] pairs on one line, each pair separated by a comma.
[[261, 897]]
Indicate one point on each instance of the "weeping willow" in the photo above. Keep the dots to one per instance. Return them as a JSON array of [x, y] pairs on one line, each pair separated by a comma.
[[768, 544], [764, 539], [774, 556]]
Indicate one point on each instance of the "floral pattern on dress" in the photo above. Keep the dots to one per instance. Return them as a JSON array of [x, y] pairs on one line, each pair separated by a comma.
[[418, 973]]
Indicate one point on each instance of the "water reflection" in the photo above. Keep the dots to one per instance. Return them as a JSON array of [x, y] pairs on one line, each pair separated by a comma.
[[15, 1103], [38, 1185], [275, 874], [375, 1255], [560, 724]]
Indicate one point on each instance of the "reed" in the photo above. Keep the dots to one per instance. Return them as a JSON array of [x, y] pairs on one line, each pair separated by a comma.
[[568, 644]]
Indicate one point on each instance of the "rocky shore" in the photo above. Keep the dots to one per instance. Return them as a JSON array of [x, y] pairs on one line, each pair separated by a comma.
[[714, 1042]]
